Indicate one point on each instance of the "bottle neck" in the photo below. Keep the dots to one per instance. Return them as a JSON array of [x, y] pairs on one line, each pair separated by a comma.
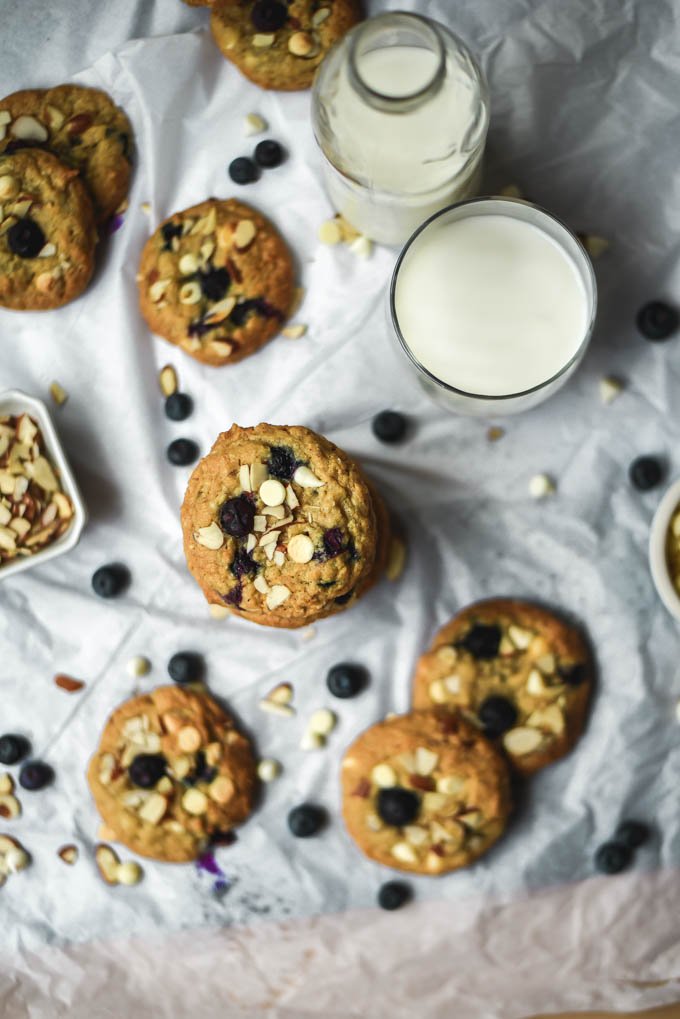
[[396, 62]]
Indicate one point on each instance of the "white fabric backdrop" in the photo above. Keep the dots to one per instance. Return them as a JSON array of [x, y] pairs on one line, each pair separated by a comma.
[[584, 119]]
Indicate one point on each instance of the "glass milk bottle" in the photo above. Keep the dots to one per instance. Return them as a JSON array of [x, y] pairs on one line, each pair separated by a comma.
[[400, 111]]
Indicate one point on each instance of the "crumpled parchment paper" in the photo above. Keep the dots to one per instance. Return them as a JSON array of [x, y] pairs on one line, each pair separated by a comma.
[[583, 120]]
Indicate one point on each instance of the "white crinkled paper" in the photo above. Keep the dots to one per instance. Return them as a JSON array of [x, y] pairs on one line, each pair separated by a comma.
[[584, 120]]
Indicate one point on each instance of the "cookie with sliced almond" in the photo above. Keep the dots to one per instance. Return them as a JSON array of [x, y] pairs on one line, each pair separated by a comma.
[[521, 673], [217, 280], [281, 526], [425, 792], [47, 231], [170, 772], [81, 126], [279, 45]]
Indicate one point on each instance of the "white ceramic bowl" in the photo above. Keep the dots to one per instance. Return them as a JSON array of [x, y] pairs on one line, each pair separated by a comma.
[[13, 401], [657, 550]]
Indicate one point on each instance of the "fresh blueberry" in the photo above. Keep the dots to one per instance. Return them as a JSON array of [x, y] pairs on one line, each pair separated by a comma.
[[282, 463], [398, 806], [482, 641], [25, 238], [389, 426], [186, 667], [497, 715], [632, 834], [657, 320], [110, 580], [242, 170], [573, 675], [169, 232], [214, 283], [237, 516], [394, 895], [346, 680], [147, 769], [646, 472], [612, 857], [182, 452], [35, 775], [268, 16], [306, 820], [13, 748], [268, 154], [178, 406]]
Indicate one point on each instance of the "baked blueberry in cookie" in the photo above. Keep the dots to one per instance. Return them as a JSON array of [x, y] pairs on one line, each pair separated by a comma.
[[519, 672]]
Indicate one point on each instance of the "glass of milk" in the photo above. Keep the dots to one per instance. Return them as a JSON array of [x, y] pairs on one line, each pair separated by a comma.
[[400, 110], [493, 301]]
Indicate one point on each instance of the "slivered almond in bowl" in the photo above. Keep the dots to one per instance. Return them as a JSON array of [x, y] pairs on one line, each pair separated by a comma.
[[41, 511]]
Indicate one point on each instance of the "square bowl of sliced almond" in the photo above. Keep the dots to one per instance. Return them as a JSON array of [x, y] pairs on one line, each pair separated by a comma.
[[42, 513]]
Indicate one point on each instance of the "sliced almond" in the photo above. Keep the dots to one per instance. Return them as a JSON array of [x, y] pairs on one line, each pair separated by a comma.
[[433, 802], [330, 233], [9, 807], [213, 753], [167, 378], [277, 596], [426, 761], [320, 16], [47, 250], [260, 584], [285, 710], [9, 187], [550, 718], [210, 537], [69, 854], [28, 129], [263, 40], [43, 474], [58, 393], [301, 44], [416, 835], [294, 332], [278, 512], [546, 663], [404, 852], [281, 694], [301, 548], [6, 783], [437, 692], [520, 637], [107, 862], [259, 473], [270, 538], [472, 819], [522, 740], [219, 311], [259, 523], [253, 123], [450, 785], [292, 501], [244, 477], [154, 808], [55, 118], [244, 234]]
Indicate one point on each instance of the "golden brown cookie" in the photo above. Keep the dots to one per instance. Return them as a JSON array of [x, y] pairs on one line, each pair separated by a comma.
[[424, 792], [279, 45], [279, 525], [518, 671], [47, 232], [171, 772], [216, 280], [84, 128]]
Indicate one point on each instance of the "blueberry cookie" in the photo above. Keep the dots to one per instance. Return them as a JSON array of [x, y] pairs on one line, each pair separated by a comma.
[[519, 672], [425, 792], [84, 128], [279, 45], [171, 772], [279, 526], [216, 280], [47, 232]]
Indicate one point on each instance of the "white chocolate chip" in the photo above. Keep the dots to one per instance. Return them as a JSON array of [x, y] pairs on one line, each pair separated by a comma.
[[5, 117], [244, 477], [244, 233], [330, 233], [300, 44], [195, 802], [277, 596], [312, 741], [384, 776], [219, 611], [362, 247], [522, 740], [540, 486], [610, 388], [129, 873], [190, 293], [437, 692], [268, 769], [546, 663], [300, 548], [307, 479], [188, 264], [281, 694], [58, 393], [210, 537], [9, 186], [322, 721], [535, 685], [253, 123], [138, 666], [28, 129], [416, 835], [272, 492], [294, 332]]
